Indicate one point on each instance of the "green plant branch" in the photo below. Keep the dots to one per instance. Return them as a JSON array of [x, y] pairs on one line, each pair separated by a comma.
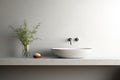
[[25, 35]]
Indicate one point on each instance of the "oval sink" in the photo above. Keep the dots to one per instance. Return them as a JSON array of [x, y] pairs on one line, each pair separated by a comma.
[[71, 52]]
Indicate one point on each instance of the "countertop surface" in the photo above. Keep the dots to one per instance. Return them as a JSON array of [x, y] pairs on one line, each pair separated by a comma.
[[58, 62]]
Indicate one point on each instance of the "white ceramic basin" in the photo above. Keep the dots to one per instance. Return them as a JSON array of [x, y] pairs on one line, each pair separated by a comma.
[[71, 52]]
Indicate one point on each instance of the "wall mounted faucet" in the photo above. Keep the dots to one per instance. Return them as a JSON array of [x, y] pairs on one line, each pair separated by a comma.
[[70, 40]]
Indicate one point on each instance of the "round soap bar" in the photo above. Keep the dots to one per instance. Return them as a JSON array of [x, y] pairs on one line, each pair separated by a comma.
[[37, 55]]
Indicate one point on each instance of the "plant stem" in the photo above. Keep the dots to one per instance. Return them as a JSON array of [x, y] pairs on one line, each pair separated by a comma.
[[26, 51]]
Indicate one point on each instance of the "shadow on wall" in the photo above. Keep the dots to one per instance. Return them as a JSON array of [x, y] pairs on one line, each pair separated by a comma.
[[116, 75]]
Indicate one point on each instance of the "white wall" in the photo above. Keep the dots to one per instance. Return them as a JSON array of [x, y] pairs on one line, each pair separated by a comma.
[[95, 22]]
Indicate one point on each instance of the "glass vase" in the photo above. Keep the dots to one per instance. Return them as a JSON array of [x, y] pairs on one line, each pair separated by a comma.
[[26, 50]]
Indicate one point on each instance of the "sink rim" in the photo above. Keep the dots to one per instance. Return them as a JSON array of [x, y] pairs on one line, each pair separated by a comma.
[[71, 48]]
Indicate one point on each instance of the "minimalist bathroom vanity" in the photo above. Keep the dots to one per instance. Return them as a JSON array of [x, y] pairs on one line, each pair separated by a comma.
[[59, 69]]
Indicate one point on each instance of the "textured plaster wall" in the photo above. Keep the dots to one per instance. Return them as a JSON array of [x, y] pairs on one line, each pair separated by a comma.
[[95, 22]]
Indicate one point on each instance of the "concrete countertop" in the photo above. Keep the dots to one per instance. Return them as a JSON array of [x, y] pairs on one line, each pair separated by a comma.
[[58, 62]]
